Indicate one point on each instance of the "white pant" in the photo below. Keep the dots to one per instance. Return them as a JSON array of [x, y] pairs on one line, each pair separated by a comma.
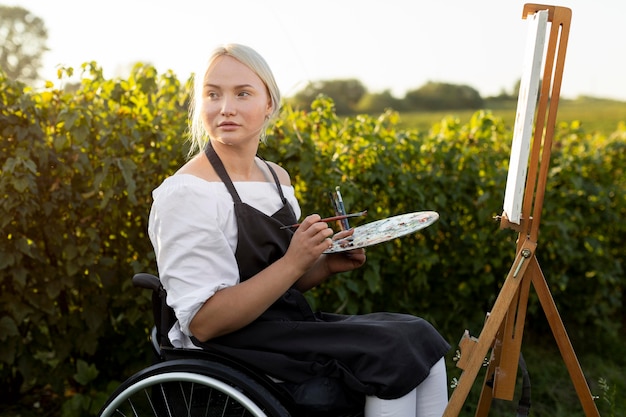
[[428, 399]]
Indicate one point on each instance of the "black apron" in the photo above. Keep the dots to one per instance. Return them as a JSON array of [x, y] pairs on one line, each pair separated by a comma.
[[381, 354]]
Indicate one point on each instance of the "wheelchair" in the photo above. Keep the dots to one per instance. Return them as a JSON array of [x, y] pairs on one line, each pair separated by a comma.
[[193, 383]]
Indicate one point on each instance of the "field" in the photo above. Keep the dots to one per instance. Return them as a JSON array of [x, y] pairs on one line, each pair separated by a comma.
[[595, 115], [602, 362]]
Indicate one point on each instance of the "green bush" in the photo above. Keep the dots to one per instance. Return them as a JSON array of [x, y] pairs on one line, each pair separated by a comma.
[[77, 171]]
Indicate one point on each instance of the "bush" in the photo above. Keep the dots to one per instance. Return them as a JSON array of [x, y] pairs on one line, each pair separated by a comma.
[[77, 174]]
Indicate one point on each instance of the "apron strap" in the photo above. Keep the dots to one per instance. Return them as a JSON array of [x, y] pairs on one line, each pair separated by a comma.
[[280, 189]]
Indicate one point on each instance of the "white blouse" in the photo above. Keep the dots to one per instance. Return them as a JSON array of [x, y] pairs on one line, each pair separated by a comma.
[[193, 230]]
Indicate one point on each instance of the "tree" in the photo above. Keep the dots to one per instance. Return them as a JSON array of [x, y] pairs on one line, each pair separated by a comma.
[[25, 38], [373, 103], [444, 96], [346, 94]]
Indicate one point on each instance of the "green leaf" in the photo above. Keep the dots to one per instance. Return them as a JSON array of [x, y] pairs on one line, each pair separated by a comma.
[[8, 352], [6, 260], [85, 373], [8, 328], [21, 183], [77, 405], [372, 279]]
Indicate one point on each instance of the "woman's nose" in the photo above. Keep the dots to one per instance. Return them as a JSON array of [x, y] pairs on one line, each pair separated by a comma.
[[228, 108]]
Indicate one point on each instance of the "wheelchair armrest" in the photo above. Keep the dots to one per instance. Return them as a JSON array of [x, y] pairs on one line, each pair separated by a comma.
[[147, 281]]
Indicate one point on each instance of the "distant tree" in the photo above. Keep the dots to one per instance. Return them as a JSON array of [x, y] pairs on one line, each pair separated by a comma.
[[443, 96], [345, 93], [24, 38], [379, 102]]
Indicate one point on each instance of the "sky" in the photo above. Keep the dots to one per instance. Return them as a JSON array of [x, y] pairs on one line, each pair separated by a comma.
[[395, 45]]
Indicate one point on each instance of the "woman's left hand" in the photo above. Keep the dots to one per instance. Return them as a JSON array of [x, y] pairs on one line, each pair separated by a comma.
[[347, 260]]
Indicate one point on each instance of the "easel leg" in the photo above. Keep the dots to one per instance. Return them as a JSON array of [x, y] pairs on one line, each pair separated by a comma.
[[487, 335], [485, 340], [486, 394], [511, 345], [501, 374], [562, 340]]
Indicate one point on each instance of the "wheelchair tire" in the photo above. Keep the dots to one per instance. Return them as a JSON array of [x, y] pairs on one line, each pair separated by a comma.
[[192, 388]]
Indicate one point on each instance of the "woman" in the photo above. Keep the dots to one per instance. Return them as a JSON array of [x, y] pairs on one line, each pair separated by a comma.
[[235, 279]]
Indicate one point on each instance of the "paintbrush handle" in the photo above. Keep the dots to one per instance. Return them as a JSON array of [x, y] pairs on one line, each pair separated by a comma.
[[331, 219]]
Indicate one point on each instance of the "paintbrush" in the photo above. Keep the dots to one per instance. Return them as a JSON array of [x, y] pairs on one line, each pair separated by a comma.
[[331, 219]]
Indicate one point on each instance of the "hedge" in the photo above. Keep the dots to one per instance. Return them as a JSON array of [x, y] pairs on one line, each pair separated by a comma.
[[78, 167]]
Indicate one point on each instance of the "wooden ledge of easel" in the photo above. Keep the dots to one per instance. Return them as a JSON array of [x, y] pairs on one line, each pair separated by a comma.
[[506, 224], [466, 347]]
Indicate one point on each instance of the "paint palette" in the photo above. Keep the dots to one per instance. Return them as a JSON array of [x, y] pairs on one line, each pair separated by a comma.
[[385, 230]]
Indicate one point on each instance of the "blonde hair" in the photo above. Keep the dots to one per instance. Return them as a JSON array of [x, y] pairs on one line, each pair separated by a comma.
[[250, 58]]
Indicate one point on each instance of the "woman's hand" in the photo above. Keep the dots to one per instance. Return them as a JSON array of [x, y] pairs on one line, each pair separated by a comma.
[[347, 260], [320, 266], [308, 243], [236, 306]]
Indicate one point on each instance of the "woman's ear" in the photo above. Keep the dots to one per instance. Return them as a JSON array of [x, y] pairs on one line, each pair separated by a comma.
[[269, 109]]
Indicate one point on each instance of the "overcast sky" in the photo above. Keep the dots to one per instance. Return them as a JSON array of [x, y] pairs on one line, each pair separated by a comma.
[[396, 44]]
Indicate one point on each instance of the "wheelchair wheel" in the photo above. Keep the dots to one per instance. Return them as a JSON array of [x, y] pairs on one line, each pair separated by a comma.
[[192, 388]]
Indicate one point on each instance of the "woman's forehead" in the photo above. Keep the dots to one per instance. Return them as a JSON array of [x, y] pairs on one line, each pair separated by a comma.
[[227, 68]]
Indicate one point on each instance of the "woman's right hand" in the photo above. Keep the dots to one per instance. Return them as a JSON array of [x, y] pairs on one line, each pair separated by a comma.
[[309, 241], [236, 306]]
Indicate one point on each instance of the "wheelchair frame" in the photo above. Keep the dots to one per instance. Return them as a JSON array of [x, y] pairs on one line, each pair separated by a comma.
[[190, 382]]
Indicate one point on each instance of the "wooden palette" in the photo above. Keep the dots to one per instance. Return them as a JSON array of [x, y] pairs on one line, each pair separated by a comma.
[[385, 230]]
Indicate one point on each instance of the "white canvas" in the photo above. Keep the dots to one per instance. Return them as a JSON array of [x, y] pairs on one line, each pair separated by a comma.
[[526, 106]]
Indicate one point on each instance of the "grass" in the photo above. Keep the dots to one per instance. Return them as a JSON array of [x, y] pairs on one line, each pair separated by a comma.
[[595, 115]]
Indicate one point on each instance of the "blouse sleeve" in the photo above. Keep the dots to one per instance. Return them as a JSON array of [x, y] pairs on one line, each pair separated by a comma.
[[194, 238]]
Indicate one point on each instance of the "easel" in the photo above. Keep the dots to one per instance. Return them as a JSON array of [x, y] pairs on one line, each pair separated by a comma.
[[503, 328]]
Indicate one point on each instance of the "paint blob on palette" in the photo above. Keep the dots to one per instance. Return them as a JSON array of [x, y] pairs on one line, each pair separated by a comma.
[[385, 230]]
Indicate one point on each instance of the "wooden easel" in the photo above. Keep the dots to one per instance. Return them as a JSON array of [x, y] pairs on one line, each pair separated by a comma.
[[503, 328]]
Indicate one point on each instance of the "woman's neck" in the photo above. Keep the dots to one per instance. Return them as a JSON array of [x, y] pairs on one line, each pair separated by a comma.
[[240, 162]]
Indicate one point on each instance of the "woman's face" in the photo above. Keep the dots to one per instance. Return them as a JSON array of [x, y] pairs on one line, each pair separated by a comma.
[[235, 102]]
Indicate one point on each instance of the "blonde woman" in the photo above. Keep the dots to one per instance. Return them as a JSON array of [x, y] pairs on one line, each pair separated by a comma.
[[236, 280]]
